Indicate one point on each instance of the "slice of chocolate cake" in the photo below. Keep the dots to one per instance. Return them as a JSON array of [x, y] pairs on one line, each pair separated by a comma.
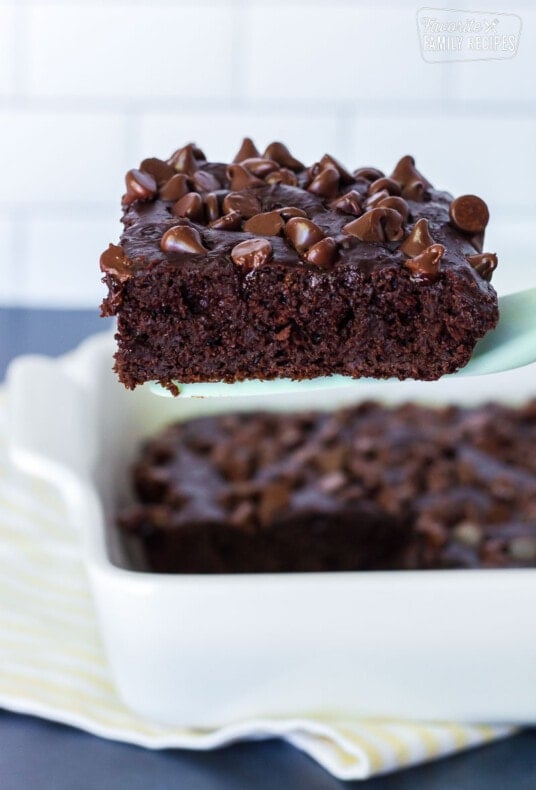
[[266, 268], [360, 489]]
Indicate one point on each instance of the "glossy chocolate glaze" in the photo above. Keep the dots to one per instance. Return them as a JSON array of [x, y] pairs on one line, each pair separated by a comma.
[[146, 222]]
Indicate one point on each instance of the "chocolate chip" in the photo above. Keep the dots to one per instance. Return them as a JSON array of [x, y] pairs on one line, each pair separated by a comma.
[[469, 213], [391, 186], [270, 223], [198, 153], [190, 206], [425, 266], [251, 253], [393, 225], [378, 224], [415, 190], [287, 212], [312, 171], [468, 533], [406, 173], [350, 203], [282, 176], [205, 181], [184, 161], [182, 238], [114, 261], [344, 175], [240, 178], [476, 240], [398, 203], [523, 548], [302, 233], [418, 240], [212, 206], [332, 482], [140, 186], [414, 185], [175, 188], [243, 516], [246, 204], [230, 221], [260, 166], [275, 497], [368, 174], [161, 171], [485, 264], [280, 154], [323, 253], [331, 459], [326, 183], [246, 150], [374, 200]]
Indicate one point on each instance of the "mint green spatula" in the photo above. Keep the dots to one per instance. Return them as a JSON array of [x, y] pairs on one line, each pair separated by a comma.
[[512, 344]]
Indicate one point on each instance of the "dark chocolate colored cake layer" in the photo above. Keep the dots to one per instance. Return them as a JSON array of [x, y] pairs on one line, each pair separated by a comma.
[[266, 268], [362, 488]]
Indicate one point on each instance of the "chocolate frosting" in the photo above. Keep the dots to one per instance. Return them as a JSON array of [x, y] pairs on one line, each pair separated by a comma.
[[253, 185]]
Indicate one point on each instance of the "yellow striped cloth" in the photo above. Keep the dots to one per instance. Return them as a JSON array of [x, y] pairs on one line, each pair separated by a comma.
[[52, 663]]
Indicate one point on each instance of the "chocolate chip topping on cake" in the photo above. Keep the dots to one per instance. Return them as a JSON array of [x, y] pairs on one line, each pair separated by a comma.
[[328, 229], [379, 202]]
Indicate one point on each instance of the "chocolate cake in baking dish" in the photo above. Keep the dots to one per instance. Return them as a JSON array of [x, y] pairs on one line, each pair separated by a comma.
[[364, 488]]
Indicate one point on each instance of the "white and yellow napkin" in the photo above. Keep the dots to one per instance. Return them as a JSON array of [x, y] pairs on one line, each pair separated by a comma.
[[52, 663]]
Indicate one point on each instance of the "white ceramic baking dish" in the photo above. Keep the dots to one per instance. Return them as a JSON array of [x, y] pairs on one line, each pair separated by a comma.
[[203, 650]]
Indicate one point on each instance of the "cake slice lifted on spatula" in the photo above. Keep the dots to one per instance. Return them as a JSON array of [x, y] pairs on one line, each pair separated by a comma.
[[265, 269]]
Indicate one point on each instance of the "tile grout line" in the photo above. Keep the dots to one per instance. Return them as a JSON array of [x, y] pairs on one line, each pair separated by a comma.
[[449, 103]]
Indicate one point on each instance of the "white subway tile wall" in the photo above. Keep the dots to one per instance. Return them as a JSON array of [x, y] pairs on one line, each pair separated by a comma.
[[7, 54], [510, 237], [131, 51], [88, 88], [503, 82], [491, 156], [78, 244], [351, 53], [220, 132], [64, 156]]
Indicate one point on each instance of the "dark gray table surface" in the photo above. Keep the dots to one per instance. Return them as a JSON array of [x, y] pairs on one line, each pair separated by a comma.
[[40, 755]]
